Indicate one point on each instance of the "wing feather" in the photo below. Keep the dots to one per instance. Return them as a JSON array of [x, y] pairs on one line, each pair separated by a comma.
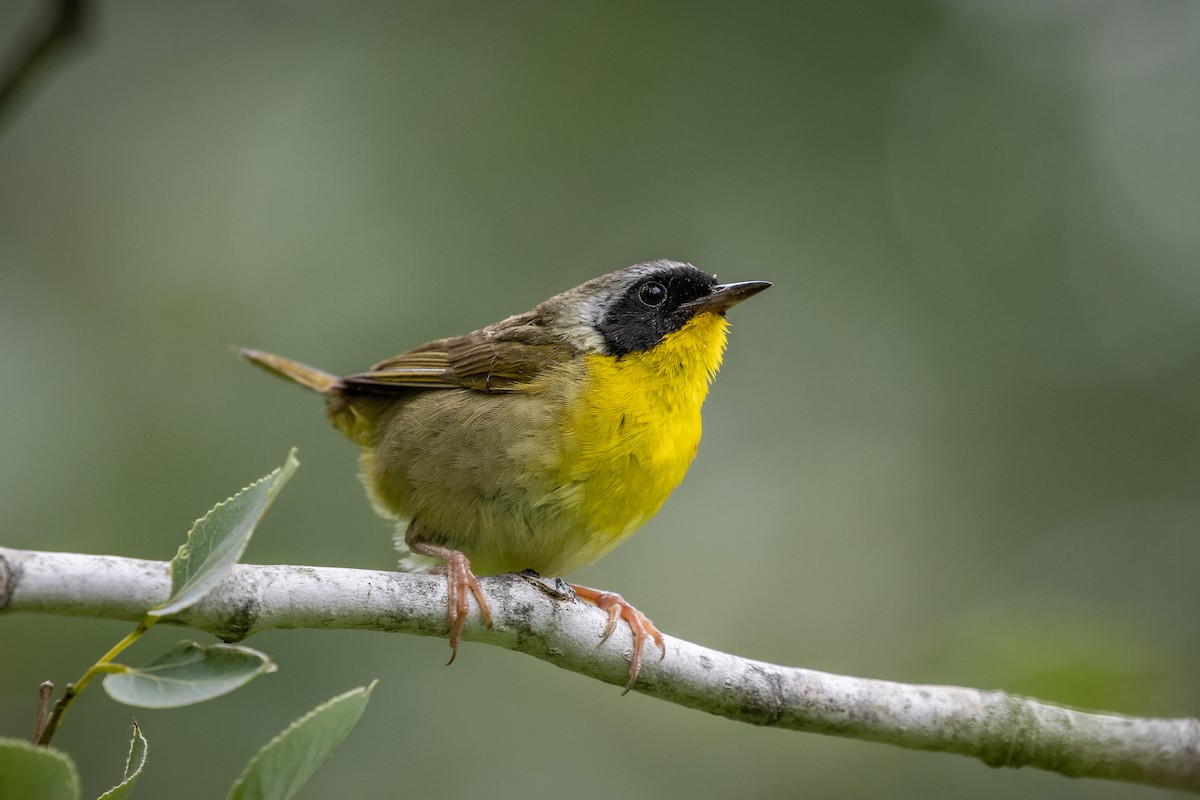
[[505, 357]]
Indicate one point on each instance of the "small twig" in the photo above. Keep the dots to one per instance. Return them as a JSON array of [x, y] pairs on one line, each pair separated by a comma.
[[39, 724], [60, 22], [60, 707], [103, 665]]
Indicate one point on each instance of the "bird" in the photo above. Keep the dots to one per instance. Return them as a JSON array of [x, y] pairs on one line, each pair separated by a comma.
[[542, 441]]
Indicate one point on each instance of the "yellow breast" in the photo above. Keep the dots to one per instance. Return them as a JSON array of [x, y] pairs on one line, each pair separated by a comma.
[[634, 429]]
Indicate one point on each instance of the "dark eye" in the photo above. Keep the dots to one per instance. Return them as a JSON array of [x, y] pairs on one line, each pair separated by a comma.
[[652, 294]]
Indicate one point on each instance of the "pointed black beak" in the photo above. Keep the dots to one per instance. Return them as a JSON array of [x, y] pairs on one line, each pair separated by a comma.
[[725, 296]]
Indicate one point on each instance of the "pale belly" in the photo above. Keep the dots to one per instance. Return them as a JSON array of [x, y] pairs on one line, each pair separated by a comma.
[[511, 502]]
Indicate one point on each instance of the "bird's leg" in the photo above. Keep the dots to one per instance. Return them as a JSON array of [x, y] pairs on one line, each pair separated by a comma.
[[459, 581], [639, 625]]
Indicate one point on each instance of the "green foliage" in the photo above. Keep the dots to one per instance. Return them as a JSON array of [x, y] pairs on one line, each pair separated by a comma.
[[218, 539], [192, 673], [214, 545], [28, 771], [133, 767], [187, 673], [282, 767]]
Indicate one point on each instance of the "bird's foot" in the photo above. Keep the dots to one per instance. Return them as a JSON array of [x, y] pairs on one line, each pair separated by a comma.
[[461, 583], [639, 625]]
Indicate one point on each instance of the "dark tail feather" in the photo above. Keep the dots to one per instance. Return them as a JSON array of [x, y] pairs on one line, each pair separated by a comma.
[[306, 376]]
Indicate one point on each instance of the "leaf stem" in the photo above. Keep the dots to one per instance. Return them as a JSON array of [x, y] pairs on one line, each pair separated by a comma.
[[103, 665]]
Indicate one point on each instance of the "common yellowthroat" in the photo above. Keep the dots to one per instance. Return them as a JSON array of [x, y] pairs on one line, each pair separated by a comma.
[[542, 441]]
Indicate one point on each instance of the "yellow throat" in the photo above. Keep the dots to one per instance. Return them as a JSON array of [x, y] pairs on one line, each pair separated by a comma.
[[635, 427]]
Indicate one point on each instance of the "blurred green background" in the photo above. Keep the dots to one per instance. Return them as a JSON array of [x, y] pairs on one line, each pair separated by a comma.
[[956, 443]]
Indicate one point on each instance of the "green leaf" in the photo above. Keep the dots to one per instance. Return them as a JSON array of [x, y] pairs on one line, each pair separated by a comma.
[[133, 767], [187, 673], [27, 771], [285, 764], [218, 539]]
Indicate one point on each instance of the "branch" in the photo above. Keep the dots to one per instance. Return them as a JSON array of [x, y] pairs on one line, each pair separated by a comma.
[[1000, 729], [60, 23]]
